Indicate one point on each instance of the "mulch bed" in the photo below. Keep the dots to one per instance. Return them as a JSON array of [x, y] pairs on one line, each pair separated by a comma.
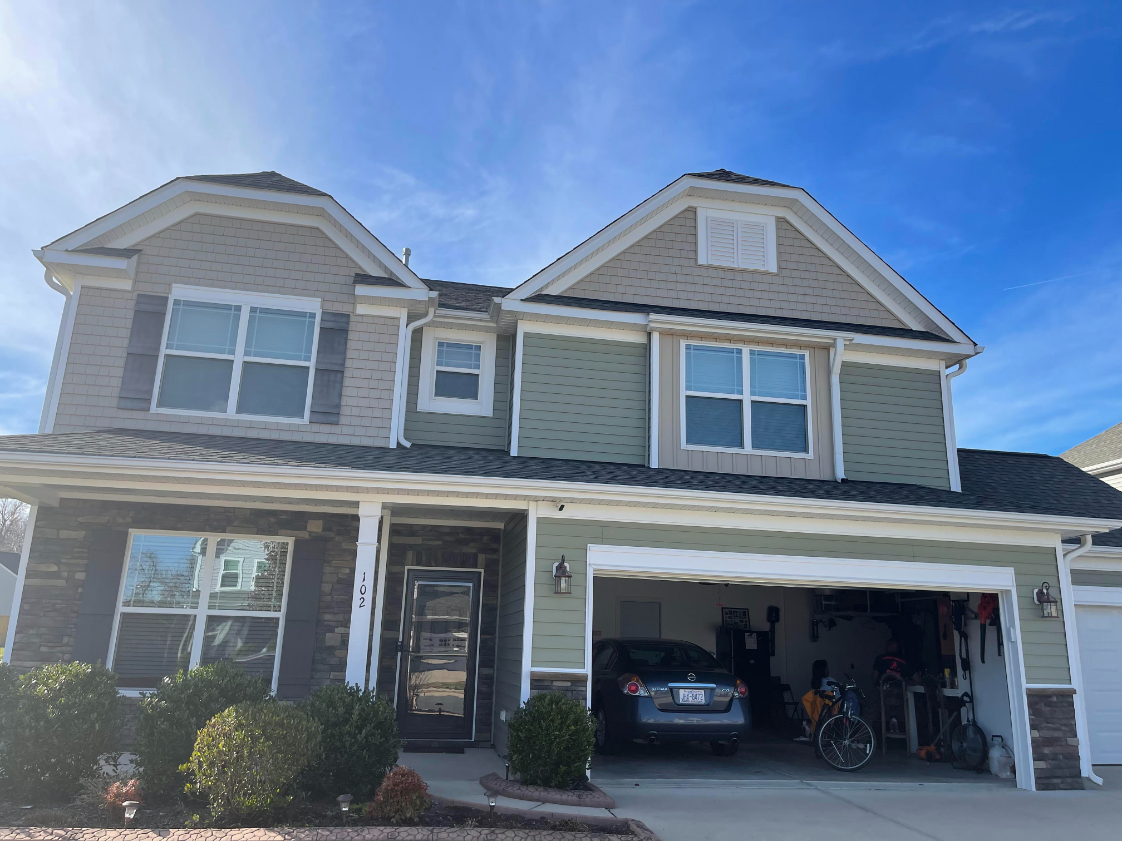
[[176, 815]]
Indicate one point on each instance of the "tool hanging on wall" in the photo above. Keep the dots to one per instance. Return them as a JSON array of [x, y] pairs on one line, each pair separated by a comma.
[[772, 621], [989, 613]]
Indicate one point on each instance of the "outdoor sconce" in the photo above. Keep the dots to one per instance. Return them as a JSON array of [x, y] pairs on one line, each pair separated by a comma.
[[1049, 606], [344, 801], [562, 578], [130, 809]]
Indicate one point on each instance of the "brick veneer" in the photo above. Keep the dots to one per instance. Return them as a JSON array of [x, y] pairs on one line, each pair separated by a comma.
[[56, 569], [1055, 743], [444, 546]]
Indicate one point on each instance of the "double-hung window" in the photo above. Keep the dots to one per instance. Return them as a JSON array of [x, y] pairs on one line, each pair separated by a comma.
[[191, 599], [745, 399], [232, 354], [457, 372]]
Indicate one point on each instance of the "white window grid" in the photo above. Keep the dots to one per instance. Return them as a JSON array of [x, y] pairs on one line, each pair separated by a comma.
[[746, 400], [203, 573], [246, 301], [427, 401]]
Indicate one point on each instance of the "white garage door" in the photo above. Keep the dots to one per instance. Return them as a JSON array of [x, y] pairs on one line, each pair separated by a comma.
[[1100, 646]]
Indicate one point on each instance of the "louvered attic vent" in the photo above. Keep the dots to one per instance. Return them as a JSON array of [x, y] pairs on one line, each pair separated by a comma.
[[736, 240]]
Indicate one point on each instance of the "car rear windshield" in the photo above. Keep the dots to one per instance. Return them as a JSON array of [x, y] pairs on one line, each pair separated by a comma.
[[670, 655]]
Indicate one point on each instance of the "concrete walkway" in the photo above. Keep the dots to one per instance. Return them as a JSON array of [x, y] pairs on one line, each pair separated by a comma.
[[834, 809]]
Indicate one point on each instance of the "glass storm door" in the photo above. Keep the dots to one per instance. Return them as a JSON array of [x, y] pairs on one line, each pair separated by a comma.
[[436, 694]]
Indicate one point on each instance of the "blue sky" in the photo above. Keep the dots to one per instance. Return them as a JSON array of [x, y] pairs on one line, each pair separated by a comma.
[[973, 146]]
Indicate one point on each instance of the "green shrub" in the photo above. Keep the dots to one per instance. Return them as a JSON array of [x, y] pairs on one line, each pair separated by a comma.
[[171, 718], [402, 797], [360, 740], [65, 717], [9, 695], [551, 740], [248, 757]]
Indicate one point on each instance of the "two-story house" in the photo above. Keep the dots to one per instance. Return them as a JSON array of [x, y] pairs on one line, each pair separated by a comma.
[[266, 439]]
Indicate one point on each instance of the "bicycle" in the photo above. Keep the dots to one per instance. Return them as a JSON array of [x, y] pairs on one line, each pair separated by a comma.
[[843, 738]]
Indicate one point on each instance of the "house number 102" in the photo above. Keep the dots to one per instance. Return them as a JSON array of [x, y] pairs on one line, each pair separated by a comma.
[[362, 591]]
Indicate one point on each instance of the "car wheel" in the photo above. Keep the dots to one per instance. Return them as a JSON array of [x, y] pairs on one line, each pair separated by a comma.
[[606, 743], [724, 748]]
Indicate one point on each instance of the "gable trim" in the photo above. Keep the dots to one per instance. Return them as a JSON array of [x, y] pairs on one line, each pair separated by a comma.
[[335, 213]]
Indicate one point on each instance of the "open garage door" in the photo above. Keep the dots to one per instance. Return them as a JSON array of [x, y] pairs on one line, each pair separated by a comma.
[[777, 639]]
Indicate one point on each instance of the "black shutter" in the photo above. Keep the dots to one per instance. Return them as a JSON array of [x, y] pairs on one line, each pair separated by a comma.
[[300, 616], [331, 359], [144, 352], [105, 560]]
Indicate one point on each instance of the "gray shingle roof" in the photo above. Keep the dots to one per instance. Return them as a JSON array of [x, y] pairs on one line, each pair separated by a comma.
[[746, 318], [1025, 483], [375, 280], [270, 180], [465, 296], [1106, 446], [11, 561], [736, 178]]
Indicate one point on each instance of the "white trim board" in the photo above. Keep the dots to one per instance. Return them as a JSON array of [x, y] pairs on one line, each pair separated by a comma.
[[1097, 596], [806, 571]]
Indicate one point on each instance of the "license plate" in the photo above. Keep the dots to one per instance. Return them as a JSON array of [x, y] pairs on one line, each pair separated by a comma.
[[691, 696]]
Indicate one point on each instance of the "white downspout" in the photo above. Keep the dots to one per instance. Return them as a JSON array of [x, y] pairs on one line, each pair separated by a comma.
[[961, 369], [46, 418], [1074, 656], [405, 373], [836, 353]]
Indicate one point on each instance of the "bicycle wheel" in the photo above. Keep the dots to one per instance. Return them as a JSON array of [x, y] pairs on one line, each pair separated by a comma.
[[846, 742], [968, 746]]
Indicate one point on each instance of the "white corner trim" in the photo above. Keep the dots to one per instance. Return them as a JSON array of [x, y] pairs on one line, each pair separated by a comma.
[[803, 571], [837, 354], [528, 599], [1074, 654], [516, 399], [655, 403], [58, 364], [949, 430], [427, 401], [362, 593], [583, 331], [1097, 596], [21, 577], [399, 393], [379, 601]]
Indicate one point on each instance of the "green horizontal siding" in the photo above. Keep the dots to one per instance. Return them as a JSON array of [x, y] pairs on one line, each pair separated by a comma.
[[512, 598], [489, 433], [892, 425], [583, 399], [1096, 577], [559, 632]]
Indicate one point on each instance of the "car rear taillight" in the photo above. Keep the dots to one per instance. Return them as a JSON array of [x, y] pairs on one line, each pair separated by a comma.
[[633, 686], [741, 689]]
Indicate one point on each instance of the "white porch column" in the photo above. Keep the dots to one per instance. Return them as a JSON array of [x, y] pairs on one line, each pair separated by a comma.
[[366, 559], [528, 598]]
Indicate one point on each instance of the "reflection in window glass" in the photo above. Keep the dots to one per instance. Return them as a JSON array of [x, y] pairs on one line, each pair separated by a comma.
[[201, 327], [278, 391], [248, 642], [249, 575], [775, 374], [280, 334], [163, 571], [152, 646], [458, 355], [198, 383], [714, 370]]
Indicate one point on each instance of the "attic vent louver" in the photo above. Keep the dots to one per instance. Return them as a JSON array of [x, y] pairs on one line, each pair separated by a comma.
[[736, 240]]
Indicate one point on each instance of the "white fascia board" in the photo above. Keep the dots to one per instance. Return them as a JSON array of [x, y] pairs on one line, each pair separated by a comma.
[[72, 268], [1097, 596], [1103, 467], [168, 191], [395, 292], [1105, 558], [610, 318], [127, 471], [950, 351], [920, 362], [687, 324]]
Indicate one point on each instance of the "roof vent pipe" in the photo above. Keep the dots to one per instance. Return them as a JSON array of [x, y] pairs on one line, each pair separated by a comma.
[[404, 378], [406, 253]]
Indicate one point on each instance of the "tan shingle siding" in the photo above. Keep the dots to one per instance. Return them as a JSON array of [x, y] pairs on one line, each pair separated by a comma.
[[205, 250], [662, 269]]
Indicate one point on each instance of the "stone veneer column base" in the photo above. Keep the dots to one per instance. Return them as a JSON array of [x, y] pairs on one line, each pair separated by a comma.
[[572, 686], [1055, 742]]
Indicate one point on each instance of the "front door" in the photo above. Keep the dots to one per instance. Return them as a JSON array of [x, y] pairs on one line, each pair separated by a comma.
[[436, 691]]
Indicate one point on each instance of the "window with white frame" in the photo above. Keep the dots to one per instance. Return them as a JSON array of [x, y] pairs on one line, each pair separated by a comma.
[[167, 621], [746, 399], [736, 240], [457, 372], [233, 354]]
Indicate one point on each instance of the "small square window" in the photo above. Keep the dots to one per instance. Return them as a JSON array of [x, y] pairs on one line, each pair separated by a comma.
[[457, 372]]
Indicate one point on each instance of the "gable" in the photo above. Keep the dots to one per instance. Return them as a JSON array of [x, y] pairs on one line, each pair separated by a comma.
[[661, 269]]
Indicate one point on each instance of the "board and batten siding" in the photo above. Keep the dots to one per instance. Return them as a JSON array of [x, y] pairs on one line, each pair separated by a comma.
[[451, 430], [583, 398], [559, 621], [672, 454], [892, 425], [508, 655]]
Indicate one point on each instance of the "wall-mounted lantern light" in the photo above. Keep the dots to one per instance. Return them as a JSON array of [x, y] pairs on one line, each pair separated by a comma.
[[1049, 605], [562, 578]]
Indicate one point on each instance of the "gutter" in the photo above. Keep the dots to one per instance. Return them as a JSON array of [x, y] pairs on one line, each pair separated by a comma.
[[1075, 660], [58, 359], [835, 407], [404, 386]]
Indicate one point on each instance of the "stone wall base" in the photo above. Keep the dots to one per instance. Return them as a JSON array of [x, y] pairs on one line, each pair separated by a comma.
[[572, 686], [1055, 743]]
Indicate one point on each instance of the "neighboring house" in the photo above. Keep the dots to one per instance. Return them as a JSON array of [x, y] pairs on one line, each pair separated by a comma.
[[1096, 577], [9, 568], [266, 439]]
